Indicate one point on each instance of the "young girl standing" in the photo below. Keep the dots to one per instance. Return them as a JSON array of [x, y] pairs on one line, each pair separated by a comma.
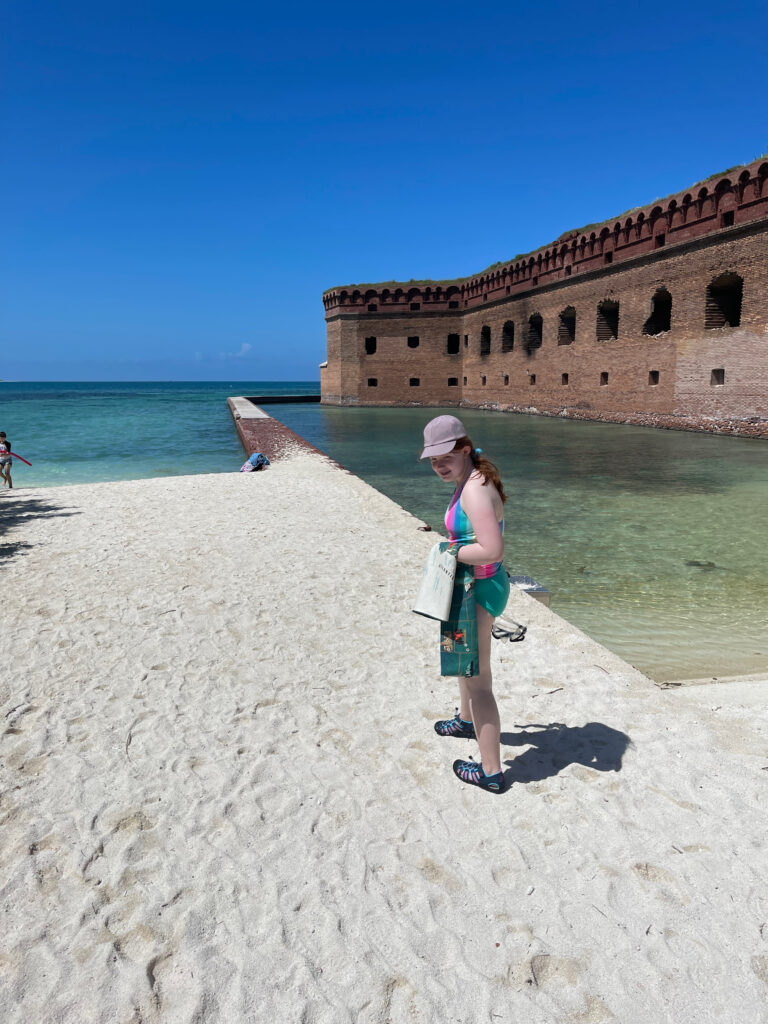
[[475, 523], [6, 460]]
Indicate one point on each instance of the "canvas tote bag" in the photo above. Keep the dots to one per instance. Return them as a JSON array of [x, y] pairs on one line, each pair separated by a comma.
[[436, 590]]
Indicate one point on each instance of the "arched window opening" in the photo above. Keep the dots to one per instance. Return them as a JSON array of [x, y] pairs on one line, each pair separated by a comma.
[[723, 305], [535, 333], [508, 336], [566, 327], [370, 346], [722, 188], [660, 319], [607, 320], [413, 342], [485, 340], [452, 346]]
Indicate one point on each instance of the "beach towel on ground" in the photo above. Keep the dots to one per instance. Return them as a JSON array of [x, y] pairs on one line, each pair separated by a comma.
[[458, 636], [254, 462]]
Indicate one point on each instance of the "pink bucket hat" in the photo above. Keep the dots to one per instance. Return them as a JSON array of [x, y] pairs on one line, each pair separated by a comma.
[[441, 435]]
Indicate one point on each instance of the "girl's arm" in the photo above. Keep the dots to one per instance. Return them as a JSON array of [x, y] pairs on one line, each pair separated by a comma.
[[477, 502]]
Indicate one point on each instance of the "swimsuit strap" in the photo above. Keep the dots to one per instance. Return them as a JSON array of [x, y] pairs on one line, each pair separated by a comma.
[[457, 495]]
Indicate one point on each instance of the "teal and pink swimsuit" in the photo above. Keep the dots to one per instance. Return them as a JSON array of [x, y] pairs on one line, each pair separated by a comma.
[[491, 581]]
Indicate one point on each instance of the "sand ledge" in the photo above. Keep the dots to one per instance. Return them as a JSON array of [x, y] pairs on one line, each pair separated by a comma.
[[223, 799]]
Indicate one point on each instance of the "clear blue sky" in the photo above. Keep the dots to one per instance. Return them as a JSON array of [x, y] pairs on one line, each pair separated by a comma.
[[182, 180]]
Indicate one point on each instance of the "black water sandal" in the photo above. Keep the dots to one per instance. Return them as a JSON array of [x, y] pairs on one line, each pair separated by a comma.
[[473, 774], [456, 727]]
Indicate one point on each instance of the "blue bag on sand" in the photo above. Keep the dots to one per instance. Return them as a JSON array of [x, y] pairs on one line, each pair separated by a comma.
[[254, 462]]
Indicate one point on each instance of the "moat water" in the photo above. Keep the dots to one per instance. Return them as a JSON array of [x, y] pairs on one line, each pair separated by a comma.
[[653, 542]]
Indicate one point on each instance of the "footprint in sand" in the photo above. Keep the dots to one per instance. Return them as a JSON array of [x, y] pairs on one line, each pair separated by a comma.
[[555, 970], [759, 965]]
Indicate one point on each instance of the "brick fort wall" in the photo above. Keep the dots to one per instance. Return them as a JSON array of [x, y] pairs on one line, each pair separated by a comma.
[[660, 317]]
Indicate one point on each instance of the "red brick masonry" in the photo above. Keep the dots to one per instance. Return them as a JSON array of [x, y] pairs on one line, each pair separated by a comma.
[[267, 435], [658, 318]]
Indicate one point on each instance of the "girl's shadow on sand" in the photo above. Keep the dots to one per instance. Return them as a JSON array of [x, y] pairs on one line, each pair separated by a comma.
[[555, 746]]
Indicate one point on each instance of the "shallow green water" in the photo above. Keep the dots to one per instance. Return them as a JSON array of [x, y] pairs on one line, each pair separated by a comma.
[[609, 517], [76, 433]]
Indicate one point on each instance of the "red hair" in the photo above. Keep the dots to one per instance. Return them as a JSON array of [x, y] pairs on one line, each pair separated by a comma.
[[484, 466]]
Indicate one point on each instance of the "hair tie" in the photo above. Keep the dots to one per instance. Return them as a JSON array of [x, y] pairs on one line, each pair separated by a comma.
[[478, 451]]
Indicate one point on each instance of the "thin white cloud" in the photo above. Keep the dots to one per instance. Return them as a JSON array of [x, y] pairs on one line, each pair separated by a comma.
[[245, 348]]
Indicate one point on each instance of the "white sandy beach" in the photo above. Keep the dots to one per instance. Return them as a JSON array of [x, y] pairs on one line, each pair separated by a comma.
[[223, 800]]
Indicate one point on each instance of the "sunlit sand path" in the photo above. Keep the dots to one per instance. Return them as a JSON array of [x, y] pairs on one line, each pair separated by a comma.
[[223, 799]]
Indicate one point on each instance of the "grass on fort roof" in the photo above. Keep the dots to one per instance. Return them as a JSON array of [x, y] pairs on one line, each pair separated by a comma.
[[523, 255]]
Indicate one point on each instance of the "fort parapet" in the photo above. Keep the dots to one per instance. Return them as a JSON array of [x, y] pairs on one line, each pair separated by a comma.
[[659, 317]]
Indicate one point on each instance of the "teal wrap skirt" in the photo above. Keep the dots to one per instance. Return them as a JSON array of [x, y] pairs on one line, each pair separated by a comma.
[[458, 636]]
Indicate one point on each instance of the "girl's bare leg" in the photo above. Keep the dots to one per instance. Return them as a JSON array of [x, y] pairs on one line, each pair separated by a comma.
[[465, 708], [478, 704]]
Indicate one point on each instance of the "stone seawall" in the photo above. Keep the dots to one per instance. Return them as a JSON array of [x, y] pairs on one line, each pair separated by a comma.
[[259, 432]]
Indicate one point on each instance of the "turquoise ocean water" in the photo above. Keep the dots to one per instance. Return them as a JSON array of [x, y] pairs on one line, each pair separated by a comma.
[[83, 433], [651, 541]]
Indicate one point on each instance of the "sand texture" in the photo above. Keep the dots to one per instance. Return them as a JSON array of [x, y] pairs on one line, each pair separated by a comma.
[[223, 800]]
